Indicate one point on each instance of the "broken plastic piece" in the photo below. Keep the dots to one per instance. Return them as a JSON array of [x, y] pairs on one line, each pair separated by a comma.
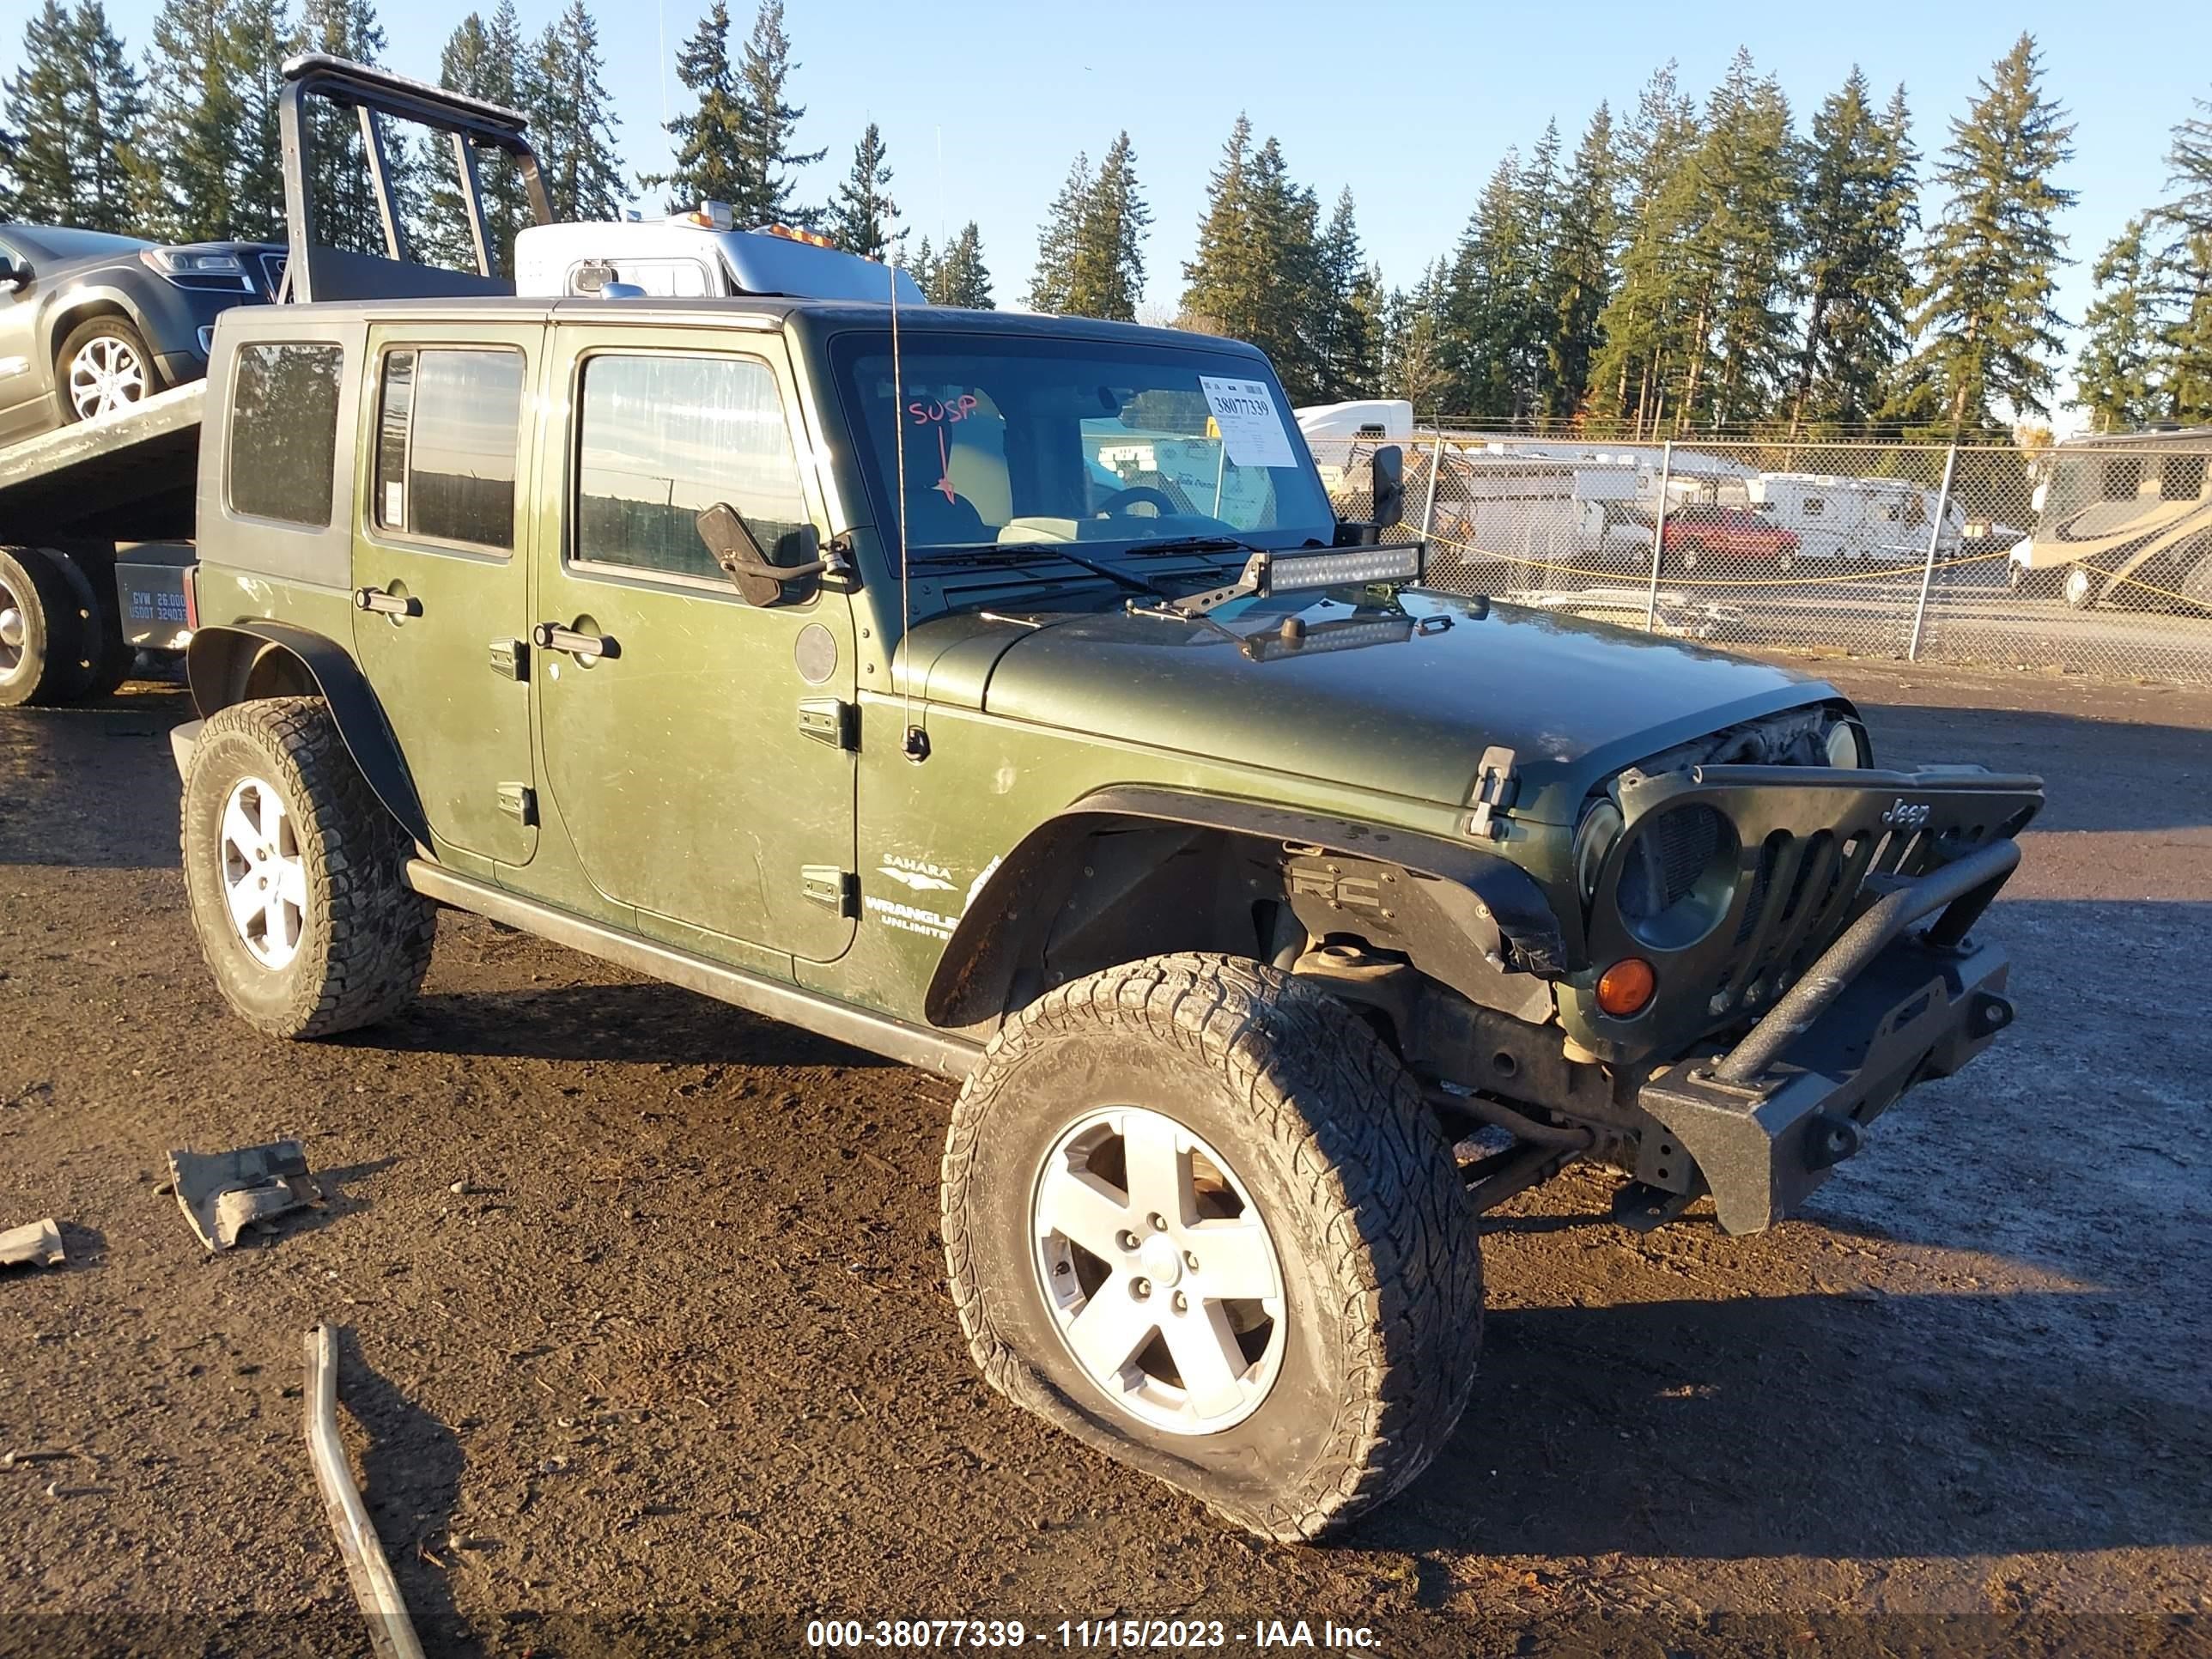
[[223, 1193], [37, 1244]]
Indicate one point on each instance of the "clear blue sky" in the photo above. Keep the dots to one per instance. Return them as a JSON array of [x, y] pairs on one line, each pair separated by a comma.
[[1411, 104]]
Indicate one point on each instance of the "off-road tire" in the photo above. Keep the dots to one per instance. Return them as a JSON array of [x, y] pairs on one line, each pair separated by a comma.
[[367, 940], [1380, 1263], [52, 664]]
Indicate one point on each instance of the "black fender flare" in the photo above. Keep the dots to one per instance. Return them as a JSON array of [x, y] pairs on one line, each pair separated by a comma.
[[978, 961], [219, 658]]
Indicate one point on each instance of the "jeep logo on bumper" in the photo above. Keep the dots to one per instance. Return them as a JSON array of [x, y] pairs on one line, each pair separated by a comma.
[[1907, 815]]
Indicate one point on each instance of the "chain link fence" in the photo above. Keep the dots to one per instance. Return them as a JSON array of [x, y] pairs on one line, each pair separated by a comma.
[[2094, 556]]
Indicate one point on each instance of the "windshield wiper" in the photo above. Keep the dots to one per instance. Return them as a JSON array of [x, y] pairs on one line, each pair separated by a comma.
[[1164, 608]]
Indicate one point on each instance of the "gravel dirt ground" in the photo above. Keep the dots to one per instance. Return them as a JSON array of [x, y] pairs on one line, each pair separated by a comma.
[[673, 1365]]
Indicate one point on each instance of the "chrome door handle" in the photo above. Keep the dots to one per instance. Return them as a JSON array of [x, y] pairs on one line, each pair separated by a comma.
[[387, 604], [551, 636]]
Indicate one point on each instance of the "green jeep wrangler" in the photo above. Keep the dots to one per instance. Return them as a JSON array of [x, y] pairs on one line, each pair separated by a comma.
[[1001, 693]]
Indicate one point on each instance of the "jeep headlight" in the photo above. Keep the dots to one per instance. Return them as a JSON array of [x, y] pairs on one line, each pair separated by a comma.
[[1600, 829], [1847, 745]]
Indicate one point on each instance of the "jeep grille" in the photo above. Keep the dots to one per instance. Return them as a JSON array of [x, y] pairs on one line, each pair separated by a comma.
[[1670, 852]]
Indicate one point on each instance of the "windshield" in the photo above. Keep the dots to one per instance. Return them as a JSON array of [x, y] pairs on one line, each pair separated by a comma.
[[1010, 441]]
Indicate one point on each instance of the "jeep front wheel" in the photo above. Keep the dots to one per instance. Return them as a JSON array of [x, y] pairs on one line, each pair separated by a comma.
[[294, 872], [1197, 1215]]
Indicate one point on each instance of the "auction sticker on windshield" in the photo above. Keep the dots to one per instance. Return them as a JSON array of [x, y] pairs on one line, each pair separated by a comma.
[[1251, 428]]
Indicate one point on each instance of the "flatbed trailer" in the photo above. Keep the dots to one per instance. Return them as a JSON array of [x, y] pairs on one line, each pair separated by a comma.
[[96, 525]]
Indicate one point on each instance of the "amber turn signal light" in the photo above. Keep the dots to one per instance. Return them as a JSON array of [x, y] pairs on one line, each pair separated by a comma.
[[1625, 987]]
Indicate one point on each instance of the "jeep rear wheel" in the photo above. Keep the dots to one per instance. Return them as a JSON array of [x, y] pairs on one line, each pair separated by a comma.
[[294, 872], [1197, 1215]]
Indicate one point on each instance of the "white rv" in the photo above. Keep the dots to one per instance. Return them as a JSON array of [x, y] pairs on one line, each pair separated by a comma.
[[1883, 520], [693, 255], [2125, 517]]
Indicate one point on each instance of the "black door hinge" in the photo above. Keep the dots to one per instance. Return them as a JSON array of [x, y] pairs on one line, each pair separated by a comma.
[[834, 890], [1496, 786], [510, 659], [519, 802], [827, 719]]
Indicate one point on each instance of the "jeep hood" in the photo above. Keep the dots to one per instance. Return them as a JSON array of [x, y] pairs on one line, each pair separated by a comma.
[[1402, 700]]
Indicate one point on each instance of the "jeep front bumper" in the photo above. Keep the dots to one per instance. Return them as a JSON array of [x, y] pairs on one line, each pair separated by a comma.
[[1881, 1009]]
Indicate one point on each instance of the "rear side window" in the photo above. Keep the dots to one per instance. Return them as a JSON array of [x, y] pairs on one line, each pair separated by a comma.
[[284, 432], [448, 428], [659, 440]]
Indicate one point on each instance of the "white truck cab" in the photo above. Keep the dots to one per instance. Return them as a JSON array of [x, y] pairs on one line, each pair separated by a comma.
[[702, 253]]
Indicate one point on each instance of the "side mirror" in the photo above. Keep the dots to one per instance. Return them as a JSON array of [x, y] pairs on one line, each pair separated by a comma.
[[13, 277], [758, 578], [1390, 474]]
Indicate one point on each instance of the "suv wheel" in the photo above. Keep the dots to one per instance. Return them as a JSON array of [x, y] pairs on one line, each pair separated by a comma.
[[1197, 1215], [46, 624], [1687, 559], [294, 870], [103, 368]]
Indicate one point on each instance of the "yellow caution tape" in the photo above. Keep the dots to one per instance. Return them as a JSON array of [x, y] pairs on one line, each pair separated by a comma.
[[1886, 573]]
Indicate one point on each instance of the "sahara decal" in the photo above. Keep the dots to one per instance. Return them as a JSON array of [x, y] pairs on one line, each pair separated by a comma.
[[917, 874]]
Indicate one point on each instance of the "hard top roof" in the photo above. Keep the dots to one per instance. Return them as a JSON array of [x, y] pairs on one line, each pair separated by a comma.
[[737, 311]]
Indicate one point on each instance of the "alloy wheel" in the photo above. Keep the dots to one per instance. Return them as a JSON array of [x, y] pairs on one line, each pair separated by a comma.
[[264, 876], [108, 375], [1159, 1271]]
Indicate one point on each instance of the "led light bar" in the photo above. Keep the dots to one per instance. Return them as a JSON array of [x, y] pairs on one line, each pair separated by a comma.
[[1302, 573]]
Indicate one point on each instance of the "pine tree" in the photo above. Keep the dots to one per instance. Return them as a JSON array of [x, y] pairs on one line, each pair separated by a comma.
[[1106, 273], [862, 218], [1052, 283], [2184, 269], [573, 120], [921, 264], [49, 167], [2190, 170], [1986, 325], [710, 158], [1412, 357], [1645, 319], [1855, 217], [1346, 330], [339, 185], [1490, 330], [1220, 280], [187, 189], [1739, 254], [1257, 269], [260, 37], [959, 277], [2117, 379], [483, 60], [1580, 276], [766, 157]]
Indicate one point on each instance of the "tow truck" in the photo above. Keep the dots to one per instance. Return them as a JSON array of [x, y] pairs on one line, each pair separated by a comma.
[[97, 520]]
